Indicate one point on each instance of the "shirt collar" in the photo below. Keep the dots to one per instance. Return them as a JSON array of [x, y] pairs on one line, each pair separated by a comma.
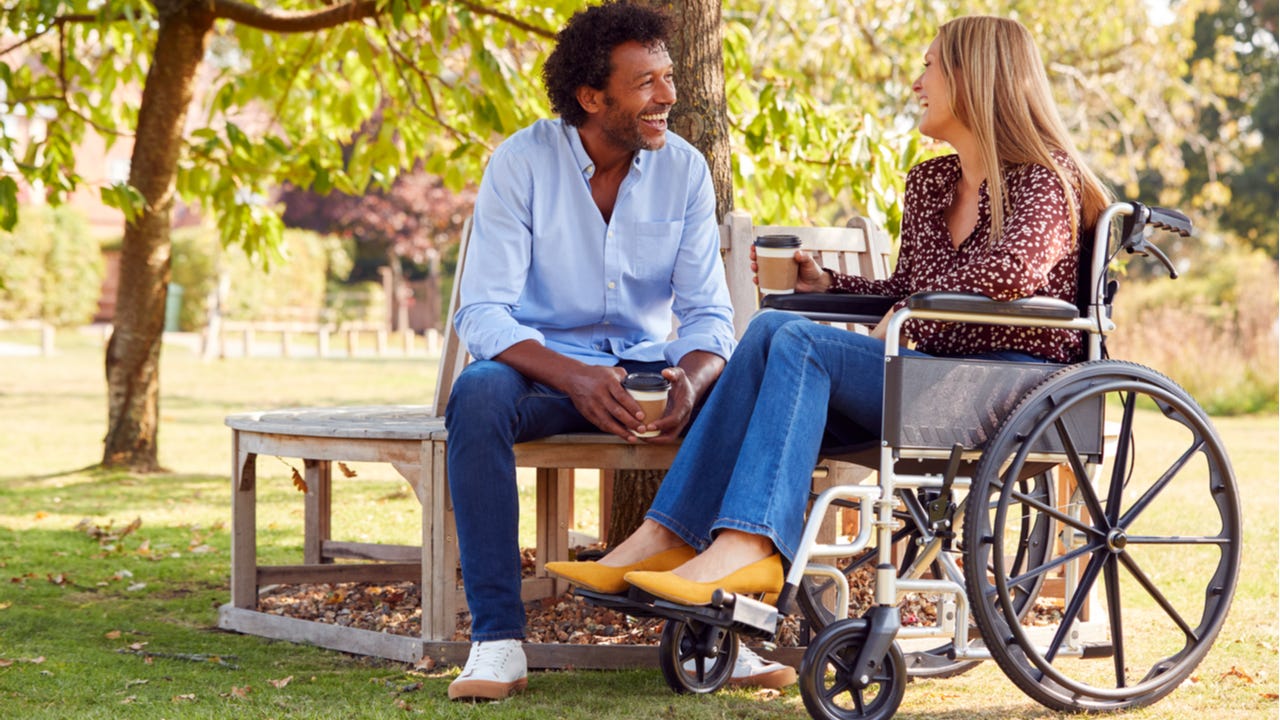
[[587, 165]]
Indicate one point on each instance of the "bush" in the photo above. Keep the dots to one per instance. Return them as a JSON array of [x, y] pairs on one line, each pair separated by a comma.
[[295, 289], [1213, 330], [50, 268]]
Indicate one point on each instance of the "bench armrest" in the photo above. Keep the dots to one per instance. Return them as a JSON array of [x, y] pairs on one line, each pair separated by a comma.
[[833, 307]]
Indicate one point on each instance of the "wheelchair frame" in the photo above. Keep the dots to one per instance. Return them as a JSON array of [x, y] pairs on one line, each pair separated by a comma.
[[854, 667]]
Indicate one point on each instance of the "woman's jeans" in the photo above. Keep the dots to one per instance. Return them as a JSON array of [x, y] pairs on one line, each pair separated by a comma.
[[748, 459], [493, 407]]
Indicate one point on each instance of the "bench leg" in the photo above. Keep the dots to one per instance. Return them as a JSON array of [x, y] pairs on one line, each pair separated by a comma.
[[244, 548], [554, 516], [318, 515]]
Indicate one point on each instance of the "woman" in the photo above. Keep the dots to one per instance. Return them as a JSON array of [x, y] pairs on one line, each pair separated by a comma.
[[1000, 217]]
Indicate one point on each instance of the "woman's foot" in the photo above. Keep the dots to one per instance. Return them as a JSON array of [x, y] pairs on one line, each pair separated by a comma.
[[736, 562], [651, 547]]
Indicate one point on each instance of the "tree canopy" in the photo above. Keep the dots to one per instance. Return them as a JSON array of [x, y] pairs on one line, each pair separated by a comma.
[[819, 106]]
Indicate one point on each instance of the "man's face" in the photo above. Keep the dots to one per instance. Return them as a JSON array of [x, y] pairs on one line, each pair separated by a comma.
[[640, 93]]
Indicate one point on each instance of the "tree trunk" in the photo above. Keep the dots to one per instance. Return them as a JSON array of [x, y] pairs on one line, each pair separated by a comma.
[[133, 354], [699, 116]]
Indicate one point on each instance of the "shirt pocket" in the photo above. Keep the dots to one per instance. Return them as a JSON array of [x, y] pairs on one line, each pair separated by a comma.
[[653, 254]]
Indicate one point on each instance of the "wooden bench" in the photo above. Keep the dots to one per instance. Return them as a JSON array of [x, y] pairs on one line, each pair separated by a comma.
[[412, 439]]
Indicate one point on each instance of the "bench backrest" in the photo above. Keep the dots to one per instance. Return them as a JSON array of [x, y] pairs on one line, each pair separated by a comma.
[[859, 248]]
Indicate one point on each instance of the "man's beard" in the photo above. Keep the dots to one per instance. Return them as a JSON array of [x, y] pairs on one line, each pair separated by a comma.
[[624, 130]]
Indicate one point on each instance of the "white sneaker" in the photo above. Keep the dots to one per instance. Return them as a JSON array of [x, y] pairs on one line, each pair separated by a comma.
[[751, 669], [494, 670]]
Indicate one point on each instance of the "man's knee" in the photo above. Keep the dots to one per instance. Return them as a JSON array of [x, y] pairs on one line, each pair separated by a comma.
[[484, 389]]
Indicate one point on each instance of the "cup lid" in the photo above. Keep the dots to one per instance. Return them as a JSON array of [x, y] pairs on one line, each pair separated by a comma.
[[778, 241], [646, 381]]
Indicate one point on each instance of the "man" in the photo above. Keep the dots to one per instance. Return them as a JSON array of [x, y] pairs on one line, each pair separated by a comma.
[[589, 232]]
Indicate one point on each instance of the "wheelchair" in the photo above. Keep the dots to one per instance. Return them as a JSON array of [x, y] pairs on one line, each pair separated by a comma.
[[1102, 479]]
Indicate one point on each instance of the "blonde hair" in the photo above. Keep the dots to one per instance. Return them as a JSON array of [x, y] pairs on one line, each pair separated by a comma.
[[1000, 92]]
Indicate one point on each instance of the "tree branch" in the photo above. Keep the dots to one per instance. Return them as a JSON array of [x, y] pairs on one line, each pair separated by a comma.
[[293, 22], [509, 19]]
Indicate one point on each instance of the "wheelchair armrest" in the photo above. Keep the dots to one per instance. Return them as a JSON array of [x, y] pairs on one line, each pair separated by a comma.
[[1033, 307], [833, 307]]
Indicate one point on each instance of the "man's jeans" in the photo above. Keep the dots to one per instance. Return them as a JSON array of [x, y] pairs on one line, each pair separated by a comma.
[[492, 408], [747, 461]]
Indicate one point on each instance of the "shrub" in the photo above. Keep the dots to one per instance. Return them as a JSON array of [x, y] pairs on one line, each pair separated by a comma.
[[1213, 330], [50, 268], [294, 289]]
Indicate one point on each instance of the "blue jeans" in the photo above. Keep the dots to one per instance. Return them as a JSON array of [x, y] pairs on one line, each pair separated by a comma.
[[492, 408], [747, 461]]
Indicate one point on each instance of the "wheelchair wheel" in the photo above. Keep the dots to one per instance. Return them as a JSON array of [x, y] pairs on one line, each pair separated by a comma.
[[1153, 549], [833, 689], [933, 662], [696, 657]]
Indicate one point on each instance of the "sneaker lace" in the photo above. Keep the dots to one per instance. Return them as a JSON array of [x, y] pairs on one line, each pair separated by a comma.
[[487, 658]]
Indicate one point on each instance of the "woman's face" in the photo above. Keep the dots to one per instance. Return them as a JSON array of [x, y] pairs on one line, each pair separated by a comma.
[[936, 119]]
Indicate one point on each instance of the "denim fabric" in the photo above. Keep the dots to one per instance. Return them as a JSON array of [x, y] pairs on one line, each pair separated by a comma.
[[747, 461], [493, 407]]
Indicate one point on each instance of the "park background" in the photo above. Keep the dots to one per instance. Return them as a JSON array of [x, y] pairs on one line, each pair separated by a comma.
[[319, 178]]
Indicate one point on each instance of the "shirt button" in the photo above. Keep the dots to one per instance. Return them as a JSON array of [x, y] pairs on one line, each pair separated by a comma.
[[612, 285]]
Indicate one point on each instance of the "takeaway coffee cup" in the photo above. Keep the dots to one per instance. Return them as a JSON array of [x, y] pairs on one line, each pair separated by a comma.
[[650, 390], [775, 260]]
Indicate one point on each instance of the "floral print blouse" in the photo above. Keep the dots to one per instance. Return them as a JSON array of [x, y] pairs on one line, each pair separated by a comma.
[[1034, 255]]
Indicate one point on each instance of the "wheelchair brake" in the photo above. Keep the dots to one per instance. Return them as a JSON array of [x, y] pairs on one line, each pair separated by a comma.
[[942, 506]]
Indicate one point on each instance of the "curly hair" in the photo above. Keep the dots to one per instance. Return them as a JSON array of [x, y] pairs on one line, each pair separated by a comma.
[[584, 48]]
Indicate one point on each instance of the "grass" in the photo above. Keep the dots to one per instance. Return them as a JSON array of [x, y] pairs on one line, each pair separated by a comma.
[[97, 622]]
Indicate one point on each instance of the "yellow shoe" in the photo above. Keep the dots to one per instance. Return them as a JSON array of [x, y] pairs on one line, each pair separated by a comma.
[[609, 580], [762, 576]]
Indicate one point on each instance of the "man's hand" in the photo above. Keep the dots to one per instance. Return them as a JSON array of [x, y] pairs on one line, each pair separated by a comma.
[[680, 401], [810, 278], [598, 394]]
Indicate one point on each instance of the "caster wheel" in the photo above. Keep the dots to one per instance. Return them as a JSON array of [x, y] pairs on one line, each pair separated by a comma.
[[696, 657], [833, 689]]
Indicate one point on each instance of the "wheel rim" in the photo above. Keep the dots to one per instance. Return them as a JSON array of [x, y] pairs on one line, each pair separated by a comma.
[[1152, 523], [832, 690], [696, 657]]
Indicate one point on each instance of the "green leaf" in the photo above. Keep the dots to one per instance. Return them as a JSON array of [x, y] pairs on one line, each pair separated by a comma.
[[8, 203]]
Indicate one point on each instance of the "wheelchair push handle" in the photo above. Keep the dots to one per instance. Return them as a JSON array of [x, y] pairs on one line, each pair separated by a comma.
[[1133, 232]]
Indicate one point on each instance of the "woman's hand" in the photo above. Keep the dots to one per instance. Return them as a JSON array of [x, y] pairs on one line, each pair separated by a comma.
[[810, 278]]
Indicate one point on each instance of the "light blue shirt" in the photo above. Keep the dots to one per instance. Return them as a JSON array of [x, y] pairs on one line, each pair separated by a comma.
[[543, 265]]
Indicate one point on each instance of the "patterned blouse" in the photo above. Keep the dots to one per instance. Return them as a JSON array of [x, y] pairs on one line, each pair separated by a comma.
[[1034, 255]]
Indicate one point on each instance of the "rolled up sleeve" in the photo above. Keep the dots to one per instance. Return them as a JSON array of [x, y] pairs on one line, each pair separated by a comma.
[[701, 302]]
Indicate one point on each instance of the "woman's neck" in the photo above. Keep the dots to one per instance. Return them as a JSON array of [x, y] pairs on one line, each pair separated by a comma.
[[972, 167]]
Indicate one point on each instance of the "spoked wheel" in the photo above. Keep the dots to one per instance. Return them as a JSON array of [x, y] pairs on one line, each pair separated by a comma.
[[1152, 543], [834, 689], [696, 657], [816, 594]]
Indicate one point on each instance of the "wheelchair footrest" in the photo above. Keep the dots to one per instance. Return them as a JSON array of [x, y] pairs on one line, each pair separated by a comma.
[[741, 614]]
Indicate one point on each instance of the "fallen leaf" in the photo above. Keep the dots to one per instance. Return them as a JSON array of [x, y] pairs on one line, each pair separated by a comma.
[[766, 694], [278, 684], [5, 662], [427, 663], [346, 471], [400, 703], [5, 605], [40, 514], [137, 646], [128, 700], [188, 697], [1238, 673], [58, 579], [114, 634], [36, 660], [298, 482], [136, 587], [240, 691]]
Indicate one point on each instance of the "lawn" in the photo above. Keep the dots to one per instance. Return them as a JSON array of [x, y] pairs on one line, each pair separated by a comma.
[[109, 582]]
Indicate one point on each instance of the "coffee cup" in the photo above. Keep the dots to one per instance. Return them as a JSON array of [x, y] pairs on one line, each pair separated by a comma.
[[776, 263], [650, 391]]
